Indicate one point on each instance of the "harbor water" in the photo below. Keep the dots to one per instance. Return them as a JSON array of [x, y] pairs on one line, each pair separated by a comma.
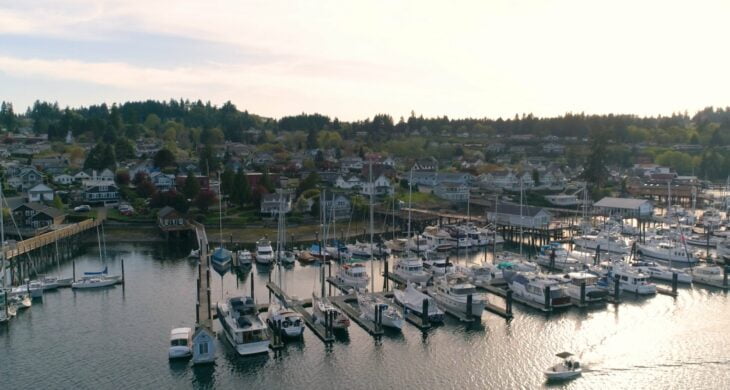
[[117, 338]]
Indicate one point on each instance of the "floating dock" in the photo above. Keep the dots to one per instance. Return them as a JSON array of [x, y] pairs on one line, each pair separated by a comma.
[[342, 302], [298, 306]]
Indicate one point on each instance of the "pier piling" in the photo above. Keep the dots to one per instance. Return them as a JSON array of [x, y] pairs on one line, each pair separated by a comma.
[[675, 280], [424, 312], [616, 289], [582, 293], [123, 278], [508, 303], [547, 298], [469, 300]]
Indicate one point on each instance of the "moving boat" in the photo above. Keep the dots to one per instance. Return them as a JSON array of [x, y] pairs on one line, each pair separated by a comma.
[[410, 268], [321, 307], [353, 275], [369, 304], [412, 300], [292, 324], [538, 291], [567, 369], [181, 341], [244, 258], [242, 325], [264, 251], [452, 292], [572, 282]]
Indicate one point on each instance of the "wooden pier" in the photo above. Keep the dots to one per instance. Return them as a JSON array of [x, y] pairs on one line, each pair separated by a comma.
[[203, 314]]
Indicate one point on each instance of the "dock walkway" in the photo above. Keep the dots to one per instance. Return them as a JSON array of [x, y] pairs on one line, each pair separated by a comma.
[[298, 306]]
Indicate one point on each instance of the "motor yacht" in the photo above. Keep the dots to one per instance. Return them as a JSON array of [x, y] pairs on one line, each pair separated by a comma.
[[243, 326]]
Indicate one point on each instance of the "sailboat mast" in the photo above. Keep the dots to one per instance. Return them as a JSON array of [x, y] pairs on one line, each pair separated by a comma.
[[98, 240], [522, 222], [372, 263], [2, 239], [410, 195], [220, 211]]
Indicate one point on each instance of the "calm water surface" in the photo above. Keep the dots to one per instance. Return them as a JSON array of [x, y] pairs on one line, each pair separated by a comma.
[[117, 338]]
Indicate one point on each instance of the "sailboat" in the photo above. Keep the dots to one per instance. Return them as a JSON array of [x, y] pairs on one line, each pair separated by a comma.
[[221, 257], [410, 267], [96, 279], [7, 311], [283, 256]]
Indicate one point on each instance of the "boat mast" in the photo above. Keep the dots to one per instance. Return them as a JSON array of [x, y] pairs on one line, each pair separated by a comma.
[[279, 238], [2, 239], [410, 190], [98, 240], [220, 211], [522, 222], [372, 262]]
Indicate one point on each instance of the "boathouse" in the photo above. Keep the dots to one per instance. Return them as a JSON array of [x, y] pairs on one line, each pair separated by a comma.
[[626, 207], [203, 347], [512, 214]]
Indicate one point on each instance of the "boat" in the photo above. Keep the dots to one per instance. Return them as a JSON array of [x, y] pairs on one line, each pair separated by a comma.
[[410, 269], [480, 275], [418, 244], [567, 369], [493, 238], [7, 310], [452, 292], [360, 250], [33, 288], [631, 280], [662, 272], [436, 264], [667, 250], [264, 251], [369, 304], [711, 218], [353, 275], [396, 244], [286, 257], [702, 240], [338, 251], [291, 322], [52, 282], [194, 254], [244, 258], [21, 301], [477, 237], [96, 280], [221, 257], [438, 239], [459, 238], [574, 280], [723, 250], [321, 307], [554, 256], [537, 291], [412, 301], [608, 242], [181, 342], [243, 326], [283, 256], [710, 275]]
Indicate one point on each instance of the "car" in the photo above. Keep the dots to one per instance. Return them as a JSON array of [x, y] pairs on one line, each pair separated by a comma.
[[82, 208]]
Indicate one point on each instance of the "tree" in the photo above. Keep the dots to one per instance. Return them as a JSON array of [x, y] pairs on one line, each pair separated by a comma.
[[191, 186], [100, 157], [208, 161], [123, 149], [266, 182], [595, 172], [536, 177], [122, 178], [309, 183], [57, 203], [205, 199], [227, 180], [241, 193], [163, 158], [312, 140]]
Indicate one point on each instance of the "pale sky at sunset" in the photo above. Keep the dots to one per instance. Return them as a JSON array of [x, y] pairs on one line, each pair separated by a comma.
[[353, 59]]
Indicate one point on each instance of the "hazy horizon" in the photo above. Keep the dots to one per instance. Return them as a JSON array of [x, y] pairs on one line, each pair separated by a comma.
[[352, 61]]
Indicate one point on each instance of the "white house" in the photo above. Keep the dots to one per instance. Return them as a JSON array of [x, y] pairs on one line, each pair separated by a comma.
[[272, 203], [40, 193], [63, 179], [379, 187], [203, 347], [348, 183], [81, 177], [351, 163], [454, 191]]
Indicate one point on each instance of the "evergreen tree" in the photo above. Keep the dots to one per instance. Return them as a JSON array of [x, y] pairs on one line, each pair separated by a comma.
[[164, 158], [227, 181], [241, 190], [123, 149], [191, 186], [266, 182]]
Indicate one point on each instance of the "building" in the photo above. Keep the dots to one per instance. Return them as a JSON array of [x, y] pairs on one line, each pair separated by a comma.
[[63, 179], [40, 193], [452, 191], [429, 164], [24, 178], [37, 216], [513, 214], [337, 205], [203, 346], [169, 219], [354, 163], [272, 203], [162, 181], [626, 207], [101, 193], [379, 187]]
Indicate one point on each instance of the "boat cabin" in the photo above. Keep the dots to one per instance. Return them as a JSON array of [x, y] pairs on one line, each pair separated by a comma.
[[203, 347]]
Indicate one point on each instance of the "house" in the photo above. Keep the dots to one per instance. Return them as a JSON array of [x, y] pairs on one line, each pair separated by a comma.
[[63, 179], [452, 191], [354, 163], [263, 158], [422, 178], [553, 148], [513, 214], [349, 183], [170, 219], [40, 193], [24, 178], [162, 181], [51, 164], [495, 148], [626, 207], [106, 175], [36, 216], [379, 187], [101, 192], [147, 147], [337, 205], [81, 177], [426, 164], [272, 203]]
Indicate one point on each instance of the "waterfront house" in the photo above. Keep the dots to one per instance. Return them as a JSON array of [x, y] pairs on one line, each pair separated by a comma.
[[452, 191], [23, 178], [381, 186], [426, 164], [512, 214], [170, 219], [40, 193], [348, 183], [36, 216], [100, 192], [81, 177], [353, 163], [271, 203], [336, 204]]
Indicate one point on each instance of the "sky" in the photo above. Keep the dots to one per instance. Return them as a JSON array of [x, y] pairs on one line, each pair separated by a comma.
[[354, 59]]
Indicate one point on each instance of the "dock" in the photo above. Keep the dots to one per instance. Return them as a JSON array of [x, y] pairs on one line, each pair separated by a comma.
[[204, 317], [298, 305], [342, 302]]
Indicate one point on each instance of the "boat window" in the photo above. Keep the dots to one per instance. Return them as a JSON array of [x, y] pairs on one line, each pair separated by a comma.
[[624, 278], [464, 290], [179, 343]]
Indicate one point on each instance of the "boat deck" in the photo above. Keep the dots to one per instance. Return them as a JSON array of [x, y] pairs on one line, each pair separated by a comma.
[[342, 302], [298, 306]]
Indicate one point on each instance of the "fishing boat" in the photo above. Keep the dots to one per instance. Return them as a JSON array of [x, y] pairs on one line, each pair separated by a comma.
[[321, 307], [537, 290], [438, 239], [477, 237], [567, 369], [662, 272], [410, 268], [244, 257], [181, 342], [221, 257], [574, 280], [453, 293], [291, 322], [369, 304], [264, 251], [554, 256], [353, 275], [243, 326], [412, 300]]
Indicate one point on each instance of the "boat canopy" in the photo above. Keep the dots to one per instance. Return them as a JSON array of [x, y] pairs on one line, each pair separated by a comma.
[[102, 272], [564, 355]]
